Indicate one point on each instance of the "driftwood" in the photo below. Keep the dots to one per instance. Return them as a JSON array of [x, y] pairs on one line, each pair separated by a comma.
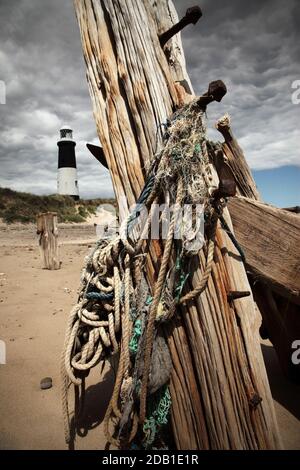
[[271, 252], [235, 161], [270, 238], [220, 392], [48, 232]]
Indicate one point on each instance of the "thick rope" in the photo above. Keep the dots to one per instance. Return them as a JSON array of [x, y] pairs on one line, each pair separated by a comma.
[[107, 434], [153, 309], [209, 263], [124, 353], [101, 323], [117, 299], [226, 227], [124, 362], [65, 377], [113, 404], [111, 328], [126, 328]]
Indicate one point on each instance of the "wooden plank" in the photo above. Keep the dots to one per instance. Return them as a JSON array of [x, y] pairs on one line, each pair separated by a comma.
[[218, 366], [270, 238], [48, 231]]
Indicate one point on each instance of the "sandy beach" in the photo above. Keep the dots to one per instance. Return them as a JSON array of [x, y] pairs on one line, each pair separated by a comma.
[[34, 305]]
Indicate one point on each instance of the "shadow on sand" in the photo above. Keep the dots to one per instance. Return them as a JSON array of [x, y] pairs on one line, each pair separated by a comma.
[[95, 404], [283, 390]]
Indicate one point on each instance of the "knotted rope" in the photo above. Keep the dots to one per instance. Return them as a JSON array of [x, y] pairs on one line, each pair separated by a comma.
[[111, 309], [153, 310]]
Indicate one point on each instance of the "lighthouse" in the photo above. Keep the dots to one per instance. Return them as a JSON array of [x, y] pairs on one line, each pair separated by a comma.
[[67, 183]]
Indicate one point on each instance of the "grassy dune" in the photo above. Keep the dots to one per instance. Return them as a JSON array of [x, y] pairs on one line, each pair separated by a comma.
[[24, 207]]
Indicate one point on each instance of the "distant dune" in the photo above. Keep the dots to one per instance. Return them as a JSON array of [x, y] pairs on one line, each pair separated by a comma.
[[24, 207]]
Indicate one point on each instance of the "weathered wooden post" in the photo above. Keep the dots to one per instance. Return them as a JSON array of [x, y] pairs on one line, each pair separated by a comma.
[[48, 232], [270, 238], [220, 392], [236, 161]]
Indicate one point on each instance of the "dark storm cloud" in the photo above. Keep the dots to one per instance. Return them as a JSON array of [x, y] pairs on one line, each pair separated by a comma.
[[41, 63], [252, 45]]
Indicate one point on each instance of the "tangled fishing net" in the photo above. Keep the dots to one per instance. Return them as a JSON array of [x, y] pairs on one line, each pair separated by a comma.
[[119, 314]]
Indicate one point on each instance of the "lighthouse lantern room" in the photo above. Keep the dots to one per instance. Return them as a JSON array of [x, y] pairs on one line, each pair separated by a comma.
[[67, 182]]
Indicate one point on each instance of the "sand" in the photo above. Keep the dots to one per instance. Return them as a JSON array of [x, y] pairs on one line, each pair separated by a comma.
[[34, 305]]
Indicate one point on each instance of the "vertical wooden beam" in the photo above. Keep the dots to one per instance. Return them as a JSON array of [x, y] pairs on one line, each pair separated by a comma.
[[235, 160], [220, 392], [48, 232]]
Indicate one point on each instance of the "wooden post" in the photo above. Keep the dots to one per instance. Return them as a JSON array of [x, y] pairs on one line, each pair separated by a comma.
[[269, 238], [48, 231], [235, 160], [220, 392]]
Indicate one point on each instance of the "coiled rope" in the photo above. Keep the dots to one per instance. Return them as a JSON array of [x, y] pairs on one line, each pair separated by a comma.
[[103, 323]]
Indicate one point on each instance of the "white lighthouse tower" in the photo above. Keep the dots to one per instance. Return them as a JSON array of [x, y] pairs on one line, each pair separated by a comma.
[[67, 182]]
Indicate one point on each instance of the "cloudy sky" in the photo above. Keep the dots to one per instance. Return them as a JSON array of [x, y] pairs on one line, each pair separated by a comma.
[[254, 46]]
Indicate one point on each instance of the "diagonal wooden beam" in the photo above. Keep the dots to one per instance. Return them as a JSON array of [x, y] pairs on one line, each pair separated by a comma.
[[270, 239]]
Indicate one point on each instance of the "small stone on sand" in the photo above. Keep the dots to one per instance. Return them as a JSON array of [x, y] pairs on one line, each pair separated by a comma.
[[46, 383]]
